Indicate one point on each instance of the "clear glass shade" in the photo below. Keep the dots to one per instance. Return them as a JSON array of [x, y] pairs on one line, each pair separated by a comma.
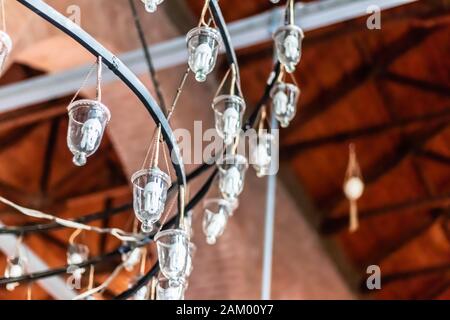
[[168, 291], [76, 254], [261, 155], [152, 5], [203, 46], [215, 219], [231, 176], [288, 43], [15, 267], [284, 102], [228, 112], [189, 263], [150, 188], [5, 49], [173, 251], [87, 123]]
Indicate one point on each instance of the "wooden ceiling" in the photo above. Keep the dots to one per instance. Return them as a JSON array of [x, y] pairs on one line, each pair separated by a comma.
[[387, 91]]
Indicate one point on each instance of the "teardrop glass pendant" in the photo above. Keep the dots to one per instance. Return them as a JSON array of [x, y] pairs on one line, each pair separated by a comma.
[[203, 46], [87, 123], [284, 102], [5, 49], [228, 113], [288, 44], [150, 188]]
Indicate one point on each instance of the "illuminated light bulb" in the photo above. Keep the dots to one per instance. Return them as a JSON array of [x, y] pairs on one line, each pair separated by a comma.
[[131, 259], [167, 291], [231, 176], [203, 46], [261, 156], [173, 250], [15, 267], [288, 43], [354, 188], [87, 123], [228, 113], [284, 102], [76, 254], [215, 219], [150, 188], [5, 49]]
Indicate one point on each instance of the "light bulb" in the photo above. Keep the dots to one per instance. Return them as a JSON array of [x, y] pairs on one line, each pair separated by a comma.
[[280, 101], [15, 267], [75, 258], [291, 46], [131, 259], [203, 45], [152, 194], [230, 124], [202, 57], [214, 225], [231, 176], [261, 155], [354, 188], [231, 182], [91, 131]]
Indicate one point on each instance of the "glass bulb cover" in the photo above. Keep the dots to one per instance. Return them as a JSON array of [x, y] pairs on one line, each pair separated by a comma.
[[5, 49], [261, 155], [15, 267], [215, 218], [284, 102], [231, 176], [353, 188], [173, 251], [228, 113], [87, 123], [189, 263], [165, 290], [203, 46], [288, 43], [150, 188]]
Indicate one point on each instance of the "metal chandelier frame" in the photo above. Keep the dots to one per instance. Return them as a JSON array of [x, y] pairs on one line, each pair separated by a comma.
[[137, 87]]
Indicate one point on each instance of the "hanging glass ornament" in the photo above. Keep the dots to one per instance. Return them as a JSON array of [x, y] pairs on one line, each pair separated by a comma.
[[284, 102], [231, 175], [151, 5], [203, 46], [5, 49], [131, 258], [165, 290], [87, 123], [150, 188], [215, 218], [76, 254], [228, 112], [173, 251], [15, 267], [353, 187], [288, 43], [261, 156]]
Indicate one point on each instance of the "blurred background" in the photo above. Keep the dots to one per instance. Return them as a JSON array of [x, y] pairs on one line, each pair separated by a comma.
[[386, 90]]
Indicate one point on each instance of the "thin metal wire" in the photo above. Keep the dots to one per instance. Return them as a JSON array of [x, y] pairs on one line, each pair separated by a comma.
[[178, 94], [99, 78], [83, 84], [203, 14]]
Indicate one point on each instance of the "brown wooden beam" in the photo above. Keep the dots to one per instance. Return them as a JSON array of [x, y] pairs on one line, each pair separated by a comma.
[[418, 84], [289, 151], [337, 224], [437, 157], [49, 155]]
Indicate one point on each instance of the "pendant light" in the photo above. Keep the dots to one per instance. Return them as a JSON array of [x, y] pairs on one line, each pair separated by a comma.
[[15, 267], [261, 151], [353, 187], [285, 98], [87, 123], [231, 176], [216, 214], [288, 42]]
